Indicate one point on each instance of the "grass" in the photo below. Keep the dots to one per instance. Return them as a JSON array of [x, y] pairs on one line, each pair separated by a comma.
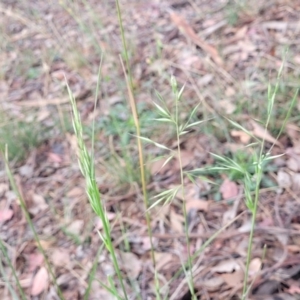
[[21, 137], [130, 129], [31, 225], [249, 170]]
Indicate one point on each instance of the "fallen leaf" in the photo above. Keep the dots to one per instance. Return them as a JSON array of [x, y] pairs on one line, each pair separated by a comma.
[[39, 204], [188, 31], [293, 164], [72, 294], [205, 80], [226, 266], [294, 289], [97, 292], [26, 282], [230, 91], [58, 75], [296, 182], [213, 284], [255, 266], [35, 260], [275, 25], [159, 166], [176, 221], [242, 135], [292, 131], [231, 213], [40, 282], [227, 106], [46, 244], [266, 222], [262, 133], [26, 171], [43, 114], [54, 158], [284, 179], [186, 158], [197, 205], [4, 187], [131, 263], [229, 189], [212, 27], [60, 257], [75, 192], [233, 279], [283, 238], [6, 214], [75, 227], [297, 59], [268, 287], [246, 227], [162, 259], [295, 249]]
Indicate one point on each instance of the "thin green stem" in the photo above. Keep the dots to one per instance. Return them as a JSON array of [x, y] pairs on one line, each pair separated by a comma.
[[259, 173], [186, 226], [126, 56], [253, 220], [142, 165], [92, 273], [87, 168], [8, 260], [29, 221], [129, 83]]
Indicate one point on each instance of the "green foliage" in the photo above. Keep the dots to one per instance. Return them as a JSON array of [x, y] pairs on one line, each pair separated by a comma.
[[119, 123], [20, 137]]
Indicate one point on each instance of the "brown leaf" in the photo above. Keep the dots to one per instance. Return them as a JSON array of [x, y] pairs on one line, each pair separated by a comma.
[[26, 171], [97, 292], [255, 266], [295, 249], [4, 187], [186, 158], [40, 282], [213, 284], [75, 227], [227, 106], [296, 182], [284, 179], [54, 157], [35, 260], [39, 204], [60, 257], [75, 192], [226, 266], [159, 166], [231, 213], [234, 278], [267, 287], [242, 135], [229, 189], [294, 289], [293, 163], [262, 133], [176, 221], [197, 205], [162, 259], [6, 214], [46, 244], [131, 263], [188, 31]]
